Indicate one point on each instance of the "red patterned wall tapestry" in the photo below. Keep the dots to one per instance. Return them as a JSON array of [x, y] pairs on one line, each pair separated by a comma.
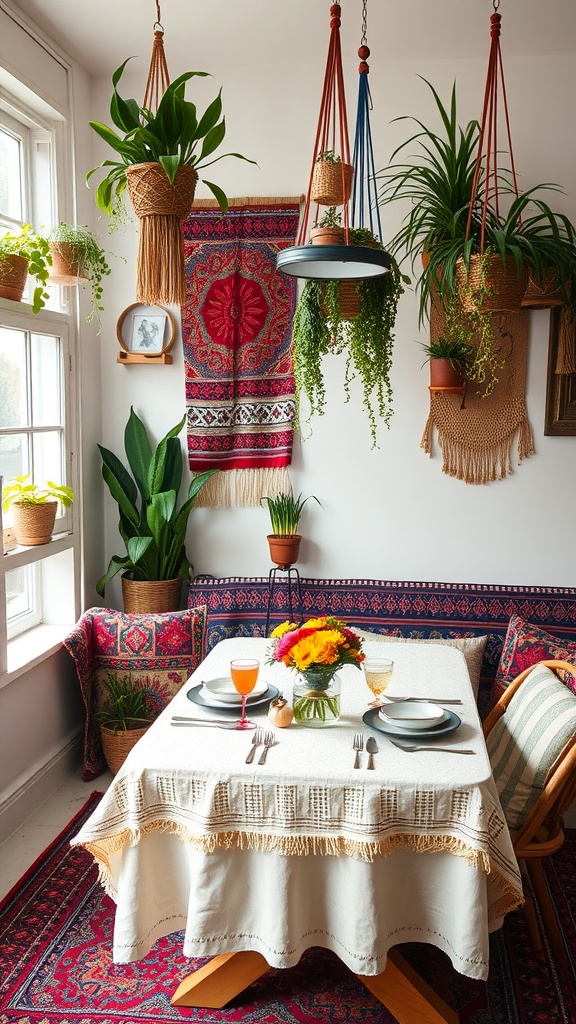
[[237, 329]]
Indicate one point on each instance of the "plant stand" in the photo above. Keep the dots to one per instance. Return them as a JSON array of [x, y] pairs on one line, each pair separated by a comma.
[[292, 580]]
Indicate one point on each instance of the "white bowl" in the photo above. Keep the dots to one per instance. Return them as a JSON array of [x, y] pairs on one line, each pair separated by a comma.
[[223, 689], [411, 715]]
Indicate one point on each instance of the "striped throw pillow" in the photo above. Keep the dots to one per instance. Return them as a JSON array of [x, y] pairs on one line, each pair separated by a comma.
[[526, 742]]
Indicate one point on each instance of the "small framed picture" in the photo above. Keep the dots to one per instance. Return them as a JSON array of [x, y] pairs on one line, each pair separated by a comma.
[[145, 333]]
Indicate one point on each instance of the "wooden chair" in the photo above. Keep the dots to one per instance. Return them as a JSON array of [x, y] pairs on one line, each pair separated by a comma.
[[541, 833]]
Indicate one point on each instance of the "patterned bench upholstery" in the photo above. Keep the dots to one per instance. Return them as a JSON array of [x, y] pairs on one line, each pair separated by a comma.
[[237, 606]]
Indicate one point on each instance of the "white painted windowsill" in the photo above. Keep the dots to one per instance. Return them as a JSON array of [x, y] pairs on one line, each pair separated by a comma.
[[33, 647]]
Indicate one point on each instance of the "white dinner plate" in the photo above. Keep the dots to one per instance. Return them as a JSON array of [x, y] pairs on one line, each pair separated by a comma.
[[196, 696], [451, 723], [412, 715], [223, 690]]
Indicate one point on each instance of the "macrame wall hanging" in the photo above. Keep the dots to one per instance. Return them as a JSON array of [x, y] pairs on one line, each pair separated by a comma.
[[159, 204]]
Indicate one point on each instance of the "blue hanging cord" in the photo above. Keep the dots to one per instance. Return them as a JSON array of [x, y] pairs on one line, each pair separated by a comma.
[[364, 192]]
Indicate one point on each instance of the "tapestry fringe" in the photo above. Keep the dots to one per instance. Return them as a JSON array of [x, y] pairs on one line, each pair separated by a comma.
[[427, 442], [566, 356], [484, 465], [211, 204], [243, 487], [525, 440]]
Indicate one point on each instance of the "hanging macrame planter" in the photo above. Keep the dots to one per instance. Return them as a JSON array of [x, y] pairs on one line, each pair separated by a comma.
[[159, 204]]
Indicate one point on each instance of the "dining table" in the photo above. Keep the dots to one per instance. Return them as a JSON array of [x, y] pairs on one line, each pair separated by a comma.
[[256, 863]]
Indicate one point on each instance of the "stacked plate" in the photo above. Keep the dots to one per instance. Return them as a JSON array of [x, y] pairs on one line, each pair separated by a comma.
[[220, 693], [407, 718]]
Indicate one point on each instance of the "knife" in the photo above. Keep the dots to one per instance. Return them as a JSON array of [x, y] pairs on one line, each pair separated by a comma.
[[216, 723]]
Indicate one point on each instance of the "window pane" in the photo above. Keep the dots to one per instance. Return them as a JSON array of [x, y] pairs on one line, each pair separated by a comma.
[[47, 457], [10, 176], [13, 456], [13, 407], [46, 381], [19, 592]]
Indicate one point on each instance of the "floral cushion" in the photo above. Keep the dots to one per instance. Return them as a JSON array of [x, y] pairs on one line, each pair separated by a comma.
[[159, 651], [525, 645], [472, 647]]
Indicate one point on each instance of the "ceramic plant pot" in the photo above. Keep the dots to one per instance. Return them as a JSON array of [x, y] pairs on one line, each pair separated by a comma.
[[284, 550]]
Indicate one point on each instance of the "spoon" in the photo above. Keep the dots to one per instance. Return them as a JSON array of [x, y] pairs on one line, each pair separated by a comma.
[[372, 748]]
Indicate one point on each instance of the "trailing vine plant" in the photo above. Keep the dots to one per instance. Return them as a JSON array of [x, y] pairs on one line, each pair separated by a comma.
[[366, 340]]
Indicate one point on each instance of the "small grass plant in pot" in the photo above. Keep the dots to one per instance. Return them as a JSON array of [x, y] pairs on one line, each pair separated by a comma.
[[284, 541], [34, 508], [24, 253], [78, 258], [124, 717], [328, 230], [448, 359], [151, 522]]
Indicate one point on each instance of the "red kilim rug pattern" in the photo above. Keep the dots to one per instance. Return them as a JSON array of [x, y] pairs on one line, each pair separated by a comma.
[[237, 329], [55, 966]]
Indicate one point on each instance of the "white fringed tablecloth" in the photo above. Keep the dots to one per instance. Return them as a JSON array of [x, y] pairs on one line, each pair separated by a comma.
[[304, 850]]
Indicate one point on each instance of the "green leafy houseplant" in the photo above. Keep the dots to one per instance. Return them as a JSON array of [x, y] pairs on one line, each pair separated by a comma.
[[18, 489], [80, 249], [151, 524], [367, 338], [453, 349], [34, 508], [34, 249], [175, 136], [125, 704], [285, 512]]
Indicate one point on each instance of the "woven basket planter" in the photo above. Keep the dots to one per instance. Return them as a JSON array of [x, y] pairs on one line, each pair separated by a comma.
[[160, 206], [331, 183], [350, 301], [67, 264], [500, 285], [150, 596], [117, 744], [13, 274], [543, 296], [34, 523]]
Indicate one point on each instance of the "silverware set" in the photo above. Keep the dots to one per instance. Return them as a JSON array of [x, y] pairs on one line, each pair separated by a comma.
[[261, 737], [358, 746]]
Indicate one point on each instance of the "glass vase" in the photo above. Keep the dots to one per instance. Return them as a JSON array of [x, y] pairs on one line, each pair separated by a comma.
[[316, 700]]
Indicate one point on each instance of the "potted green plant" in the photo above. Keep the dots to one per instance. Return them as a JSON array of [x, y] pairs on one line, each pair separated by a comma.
[[328, 230], [448, 358], [124, 717], [151, 524], [331, 179], [23, 253], [355, 317], [77, 257], [158, 159], [284, 541], [34, 508]]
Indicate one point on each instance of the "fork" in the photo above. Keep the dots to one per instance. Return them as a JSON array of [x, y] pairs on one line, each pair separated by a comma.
[[410, 747], [358, 745], [268, 741], [432, 700], [257, 739]]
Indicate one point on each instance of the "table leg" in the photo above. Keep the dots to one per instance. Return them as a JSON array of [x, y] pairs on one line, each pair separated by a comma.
[[222, 978], [406, 995]]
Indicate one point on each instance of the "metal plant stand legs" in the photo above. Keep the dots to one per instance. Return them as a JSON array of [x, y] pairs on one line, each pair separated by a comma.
[[293, 582]]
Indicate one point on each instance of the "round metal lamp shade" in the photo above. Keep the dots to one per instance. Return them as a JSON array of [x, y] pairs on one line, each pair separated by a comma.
[[333, 262]]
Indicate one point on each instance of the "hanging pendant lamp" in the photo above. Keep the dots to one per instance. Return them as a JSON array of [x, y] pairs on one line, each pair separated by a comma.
[[330, 185]]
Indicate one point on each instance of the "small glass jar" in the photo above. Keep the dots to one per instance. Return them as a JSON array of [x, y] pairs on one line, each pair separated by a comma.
[[315, 700]]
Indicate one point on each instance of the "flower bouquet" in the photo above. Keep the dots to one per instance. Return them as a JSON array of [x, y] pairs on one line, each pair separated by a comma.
[[316, 650]]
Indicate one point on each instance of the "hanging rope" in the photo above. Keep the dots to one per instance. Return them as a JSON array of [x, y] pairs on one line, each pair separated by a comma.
[[488, 139], [332, 130], [364, 193], [158, 77]]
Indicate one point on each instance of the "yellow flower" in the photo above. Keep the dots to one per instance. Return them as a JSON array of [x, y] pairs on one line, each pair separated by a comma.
[[315, 623], [283, 628]]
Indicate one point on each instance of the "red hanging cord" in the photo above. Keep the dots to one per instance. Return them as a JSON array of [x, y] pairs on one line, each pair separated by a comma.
[[488, 138], [332, 129]]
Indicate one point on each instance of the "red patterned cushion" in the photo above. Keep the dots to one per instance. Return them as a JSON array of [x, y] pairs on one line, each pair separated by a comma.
[[525, 645], [159, 651]]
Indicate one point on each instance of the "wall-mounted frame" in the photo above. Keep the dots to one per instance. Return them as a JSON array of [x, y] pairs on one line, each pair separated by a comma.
[[560, 415], [145, 334]]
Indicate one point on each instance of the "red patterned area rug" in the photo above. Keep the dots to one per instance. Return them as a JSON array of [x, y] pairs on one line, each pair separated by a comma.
[[55, 966]]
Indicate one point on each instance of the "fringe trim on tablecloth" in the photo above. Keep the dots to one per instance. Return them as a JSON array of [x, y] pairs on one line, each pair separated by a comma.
[[478, 466], [243, 487]]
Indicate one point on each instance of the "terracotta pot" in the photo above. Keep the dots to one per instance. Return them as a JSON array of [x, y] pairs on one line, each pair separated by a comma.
[[284, 550], [13, 274], [501, 285], [327, 236], [446, 373], [149, 596], [67, 264], [34, 523]]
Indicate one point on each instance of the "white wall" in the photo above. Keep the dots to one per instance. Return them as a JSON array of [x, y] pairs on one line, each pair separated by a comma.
[[388, 513]]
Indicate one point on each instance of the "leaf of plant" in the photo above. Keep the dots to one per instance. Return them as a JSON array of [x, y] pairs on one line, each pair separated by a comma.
[[138, 452], [218, 194]]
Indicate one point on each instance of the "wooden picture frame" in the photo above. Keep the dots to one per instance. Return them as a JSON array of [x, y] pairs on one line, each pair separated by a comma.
[[560, 414], [145, 334]]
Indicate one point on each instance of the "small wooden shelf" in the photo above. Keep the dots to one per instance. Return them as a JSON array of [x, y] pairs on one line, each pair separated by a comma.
[[460, 390], [137, 357]]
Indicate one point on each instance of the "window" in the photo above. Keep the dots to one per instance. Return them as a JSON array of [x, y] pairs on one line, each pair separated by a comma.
[[36, 385]]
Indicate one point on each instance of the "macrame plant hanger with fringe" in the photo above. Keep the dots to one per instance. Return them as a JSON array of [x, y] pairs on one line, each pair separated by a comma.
[[159, 204]]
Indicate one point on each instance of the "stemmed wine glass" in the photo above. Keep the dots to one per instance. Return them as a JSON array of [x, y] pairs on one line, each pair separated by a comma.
[[377, 673], [244, 672]]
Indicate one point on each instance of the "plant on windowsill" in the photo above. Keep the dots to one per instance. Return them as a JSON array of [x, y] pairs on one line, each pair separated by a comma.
[[152, 524], [34, 508], [124, 717], [284, 541], [78, 258], [20, 255], [352, 317]]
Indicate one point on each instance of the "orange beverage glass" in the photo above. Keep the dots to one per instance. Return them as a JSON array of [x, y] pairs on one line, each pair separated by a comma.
[[244, 672]]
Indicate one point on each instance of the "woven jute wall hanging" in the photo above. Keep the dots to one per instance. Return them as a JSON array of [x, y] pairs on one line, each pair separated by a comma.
[[477, 436]]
